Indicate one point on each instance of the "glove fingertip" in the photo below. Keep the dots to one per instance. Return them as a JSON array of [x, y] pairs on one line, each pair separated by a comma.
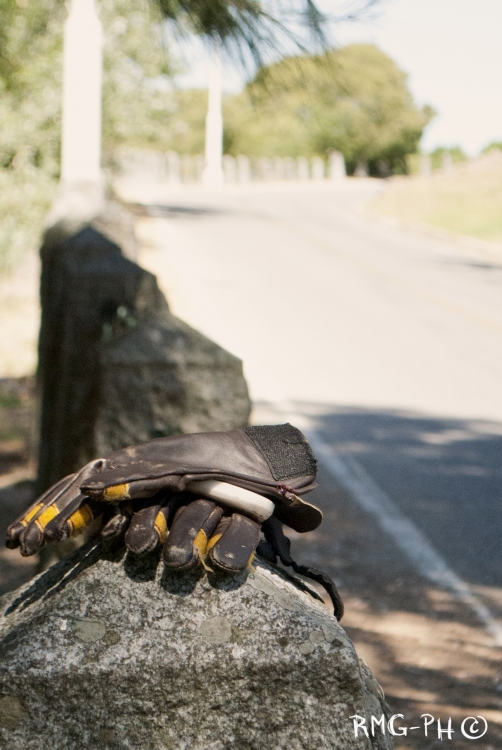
[[233, 545], [14, 531]]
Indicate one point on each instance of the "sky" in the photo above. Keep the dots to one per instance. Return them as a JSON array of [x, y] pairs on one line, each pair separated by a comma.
[[451, 50]]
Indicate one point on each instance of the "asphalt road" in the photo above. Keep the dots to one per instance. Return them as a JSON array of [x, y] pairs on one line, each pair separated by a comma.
[[388, 341]]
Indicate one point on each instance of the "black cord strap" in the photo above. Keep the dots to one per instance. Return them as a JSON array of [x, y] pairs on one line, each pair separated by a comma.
[[280, 546]]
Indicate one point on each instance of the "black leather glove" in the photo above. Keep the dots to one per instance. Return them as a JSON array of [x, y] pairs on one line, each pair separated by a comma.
[[203, 497]]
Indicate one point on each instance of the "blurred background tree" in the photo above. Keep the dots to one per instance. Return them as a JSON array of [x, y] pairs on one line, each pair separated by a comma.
[[494, 146], [139, 106], [30, 85], [136, 102], [439, 153], [354, 100]]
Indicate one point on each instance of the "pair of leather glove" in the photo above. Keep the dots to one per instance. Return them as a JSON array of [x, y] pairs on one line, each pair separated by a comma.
[[203, 497]]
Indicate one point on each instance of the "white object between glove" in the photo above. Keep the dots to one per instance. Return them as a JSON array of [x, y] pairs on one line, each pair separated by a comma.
[[248, 503]]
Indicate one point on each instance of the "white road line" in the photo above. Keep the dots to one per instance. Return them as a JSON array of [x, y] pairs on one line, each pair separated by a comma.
[[408, 537]]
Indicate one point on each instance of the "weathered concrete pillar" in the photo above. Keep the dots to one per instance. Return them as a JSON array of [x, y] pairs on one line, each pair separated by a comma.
[[101, 652], [115, 368], [81, 116], [85, 280]]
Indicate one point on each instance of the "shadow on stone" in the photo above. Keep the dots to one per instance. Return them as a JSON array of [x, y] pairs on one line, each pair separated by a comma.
[[57, 577], [226, 581], [180, 584], [142, 568]]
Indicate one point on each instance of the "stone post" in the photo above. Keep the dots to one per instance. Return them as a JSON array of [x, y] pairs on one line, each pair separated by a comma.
[[110, 651], [115, 367]]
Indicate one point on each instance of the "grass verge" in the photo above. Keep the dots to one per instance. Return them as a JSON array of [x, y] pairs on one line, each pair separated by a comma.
[[466, 201]]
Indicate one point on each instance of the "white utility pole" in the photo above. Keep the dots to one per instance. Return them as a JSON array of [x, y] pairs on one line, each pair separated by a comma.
[[82, 72], [213, 170]]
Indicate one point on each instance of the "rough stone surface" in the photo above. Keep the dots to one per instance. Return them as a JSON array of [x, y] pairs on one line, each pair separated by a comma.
[[163, 377], [115, 368], [86, 283], [106, 651]]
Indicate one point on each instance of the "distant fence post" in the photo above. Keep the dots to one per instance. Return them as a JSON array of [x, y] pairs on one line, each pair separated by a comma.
[[290, 171], [336, 166], [229, 169], [199, 167], [243, 168], [278, 168], [317, 168], [447, 162], [425, 165], [264, 169], [303, 170], [361, 169], [173, 168]]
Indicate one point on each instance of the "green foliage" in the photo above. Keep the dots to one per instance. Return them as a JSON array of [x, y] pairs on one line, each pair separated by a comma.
[[250, 27], [437, 156], [354, 100], [30, 84], [137, 71], [135, 102], [494, 146]]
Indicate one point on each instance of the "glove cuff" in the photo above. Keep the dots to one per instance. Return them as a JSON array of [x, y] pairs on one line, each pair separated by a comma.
[[285, 449]]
